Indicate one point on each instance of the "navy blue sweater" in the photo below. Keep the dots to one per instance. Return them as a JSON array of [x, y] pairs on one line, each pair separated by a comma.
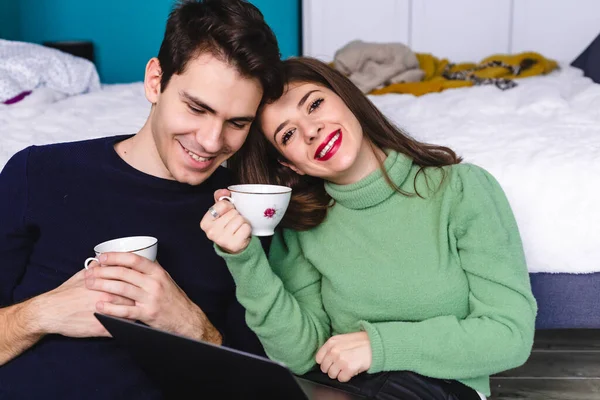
[[56, 203]]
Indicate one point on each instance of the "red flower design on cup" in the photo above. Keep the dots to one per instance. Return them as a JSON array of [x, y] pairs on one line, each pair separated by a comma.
[[270, 212]]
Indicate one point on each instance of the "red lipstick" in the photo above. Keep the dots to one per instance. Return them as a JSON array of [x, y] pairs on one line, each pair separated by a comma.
[[336, 137]]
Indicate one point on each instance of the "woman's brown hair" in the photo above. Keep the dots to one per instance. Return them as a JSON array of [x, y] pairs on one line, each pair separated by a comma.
[[259, 162]]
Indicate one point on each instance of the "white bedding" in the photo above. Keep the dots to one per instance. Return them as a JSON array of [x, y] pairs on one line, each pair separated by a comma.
[[114, 110], [541, 140]]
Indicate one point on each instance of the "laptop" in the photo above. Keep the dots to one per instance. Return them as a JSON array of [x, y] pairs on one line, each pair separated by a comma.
[[187, 368]]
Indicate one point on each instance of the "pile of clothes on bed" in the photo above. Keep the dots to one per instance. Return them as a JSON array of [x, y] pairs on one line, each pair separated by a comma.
[[31, 72], [380, 68]]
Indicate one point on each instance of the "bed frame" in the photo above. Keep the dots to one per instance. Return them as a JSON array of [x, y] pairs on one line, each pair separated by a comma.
[[469, 30]]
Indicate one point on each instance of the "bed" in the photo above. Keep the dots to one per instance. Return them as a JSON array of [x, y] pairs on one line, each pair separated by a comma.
[[541, 139]]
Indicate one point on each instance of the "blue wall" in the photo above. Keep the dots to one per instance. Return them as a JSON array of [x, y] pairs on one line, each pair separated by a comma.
[[125, 33], [282, 16], [9, 19]]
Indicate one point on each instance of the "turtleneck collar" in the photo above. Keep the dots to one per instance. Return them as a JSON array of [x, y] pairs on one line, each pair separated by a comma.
[[373, 189]]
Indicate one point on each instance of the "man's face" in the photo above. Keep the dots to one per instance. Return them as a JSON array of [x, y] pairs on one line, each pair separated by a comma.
[[202, 118]]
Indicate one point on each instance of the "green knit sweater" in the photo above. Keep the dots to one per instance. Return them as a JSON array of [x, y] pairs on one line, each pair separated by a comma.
[[439, 283]]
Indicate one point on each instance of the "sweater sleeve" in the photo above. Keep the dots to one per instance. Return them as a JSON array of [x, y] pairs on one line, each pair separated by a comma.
[[498, 332], [282, 299], [16, 241]]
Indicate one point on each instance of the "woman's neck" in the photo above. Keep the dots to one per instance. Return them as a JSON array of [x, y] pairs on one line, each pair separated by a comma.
[[369, 158]]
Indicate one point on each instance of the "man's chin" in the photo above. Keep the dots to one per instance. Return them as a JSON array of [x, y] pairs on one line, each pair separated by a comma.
[[195, 178]]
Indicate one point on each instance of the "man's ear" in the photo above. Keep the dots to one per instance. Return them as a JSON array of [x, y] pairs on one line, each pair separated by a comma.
[[152, 80], [291, 166]]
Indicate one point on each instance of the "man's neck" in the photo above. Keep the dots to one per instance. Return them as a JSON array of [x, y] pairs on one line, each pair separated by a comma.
[[140, 152]]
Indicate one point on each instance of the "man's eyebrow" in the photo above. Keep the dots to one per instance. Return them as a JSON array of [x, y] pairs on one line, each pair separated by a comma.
[[248, 119], [197, 102], [300, 104], [201, 104]]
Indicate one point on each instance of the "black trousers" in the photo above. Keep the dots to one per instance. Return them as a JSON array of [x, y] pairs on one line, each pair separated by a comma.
[[399, 385]]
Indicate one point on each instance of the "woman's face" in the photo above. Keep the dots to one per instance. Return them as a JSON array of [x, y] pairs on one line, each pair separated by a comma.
[[316, 132]]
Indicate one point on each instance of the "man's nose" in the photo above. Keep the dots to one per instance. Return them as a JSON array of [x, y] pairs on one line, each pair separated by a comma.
[[210, 136]]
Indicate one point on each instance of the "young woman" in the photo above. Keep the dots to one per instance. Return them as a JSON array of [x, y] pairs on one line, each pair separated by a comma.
[[398, 272]]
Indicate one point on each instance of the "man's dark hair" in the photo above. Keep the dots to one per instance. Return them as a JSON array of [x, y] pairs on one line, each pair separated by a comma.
[[234, 31]]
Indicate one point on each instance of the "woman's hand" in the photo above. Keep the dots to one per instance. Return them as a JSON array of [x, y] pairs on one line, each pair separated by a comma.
[[224, 225], [345, 356]]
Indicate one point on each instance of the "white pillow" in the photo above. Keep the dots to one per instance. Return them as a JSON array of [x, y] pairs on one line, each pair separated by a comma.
[[27, 66]]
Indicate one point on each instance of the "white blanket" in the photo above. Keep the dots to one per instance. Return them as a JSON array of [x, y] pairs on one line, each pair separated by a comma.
[[27, 66], [541, 140]]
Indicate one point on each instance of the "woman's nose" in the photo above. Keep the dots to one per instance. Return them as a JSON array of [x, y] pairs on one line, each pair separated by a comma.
[[312, 130]]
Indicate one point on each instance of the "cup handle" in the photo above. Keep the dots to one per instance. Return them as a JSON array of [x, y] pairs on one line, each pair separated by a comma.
[[229, 199], [88, 261]]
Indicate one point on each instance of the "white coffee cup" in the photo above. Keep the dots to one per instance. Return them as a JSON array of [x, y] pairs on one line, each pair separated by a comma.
[[145, 246], [262, 205]]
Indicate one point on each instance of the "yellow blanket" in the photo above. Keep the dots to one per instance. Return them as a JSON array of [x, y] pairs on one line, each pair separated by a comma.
[[434, 81]]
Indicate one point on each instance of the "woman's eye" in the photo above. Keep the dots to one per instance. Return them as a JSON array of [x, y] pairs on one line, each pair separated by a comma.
[[285, 138], [314, 105]]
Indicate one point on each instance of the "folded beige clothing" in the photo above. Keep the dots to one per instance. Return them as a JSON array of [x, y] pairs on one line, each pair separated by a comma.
[[373, 65]]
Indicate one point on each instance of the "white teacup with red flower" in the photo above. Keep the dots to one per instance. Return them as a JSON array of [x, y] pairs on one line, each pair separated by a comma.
[[262, 205]]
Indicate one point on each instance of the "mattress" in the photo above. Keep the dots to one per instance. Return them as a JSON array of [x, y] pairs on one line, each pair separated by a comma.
[[541, 140]]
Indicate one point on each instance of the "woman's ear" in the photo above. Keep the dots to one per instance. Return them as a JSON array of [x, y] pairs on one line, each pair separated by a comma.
[[152, 80], [291, 166]]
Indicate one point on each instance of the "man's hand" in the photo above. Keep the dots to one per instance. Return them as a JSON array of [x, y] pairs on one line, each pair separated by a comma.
[[345, 356], [69, 309], [158, 301]]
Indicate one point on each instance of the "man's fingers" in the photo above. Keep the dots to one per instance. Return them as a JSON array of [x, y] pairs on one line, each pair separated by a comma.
[[129, 260], [117, 273], [115, 299], [92, 264], [119, 288], [129, 312]]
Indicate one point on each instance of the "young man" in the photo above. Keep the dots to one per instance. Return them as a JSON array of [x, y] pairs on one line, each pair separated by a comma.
[[217, 61]]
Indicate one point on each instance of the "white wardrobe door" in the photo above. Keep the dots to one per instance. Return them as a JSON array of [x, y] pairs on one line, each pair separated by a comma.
[[330, 24], [461, 30], [556, 29]]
